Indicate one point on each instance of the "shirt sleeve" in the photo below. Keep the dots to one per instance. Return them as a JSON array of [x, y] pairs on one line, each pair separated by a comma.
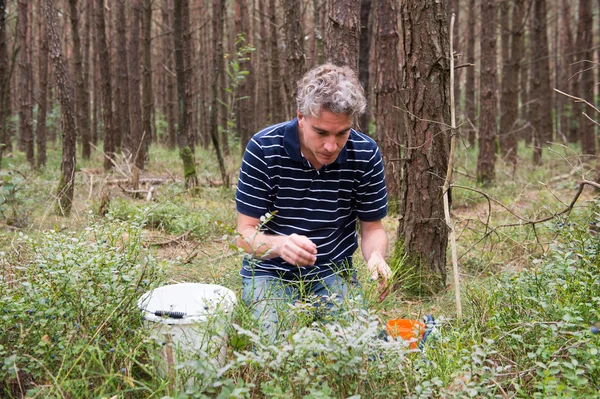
[[252, 194], [371, 197]]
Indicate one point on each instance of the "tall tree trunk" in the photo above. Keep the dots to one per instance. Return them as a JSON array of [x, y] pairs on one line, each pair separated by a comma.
[[135, 99], [510, 89], [505, 31], [471, 109], [110, 139], [294, 50], [43, 92], [364, 56], [568, 127], [217, 32], [486, 157], [263, 93], [83, 106], [342, 36], [95, 69], [25, 84], [148, 102], [183, 81], [585, 75], [122, 111], [246, 119], [87, 40], [69, 128], [5, 75], [388, 110], [169, 64], [525, 132], [541, 106], [276, 108], [319, 8], [422, 231]]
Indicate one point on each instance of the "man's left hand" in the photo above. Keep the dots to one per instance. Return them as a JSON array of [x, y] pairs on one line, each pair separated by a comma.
[[377, 266]]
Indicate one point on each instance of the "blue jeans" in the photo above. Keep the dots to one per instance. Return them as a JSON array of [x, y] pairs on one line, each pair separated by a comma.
[[270, 298]]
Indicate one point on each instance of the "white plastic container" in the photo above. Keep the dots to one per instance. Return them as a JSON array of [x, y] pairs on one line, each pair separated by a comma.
[[185, 319]]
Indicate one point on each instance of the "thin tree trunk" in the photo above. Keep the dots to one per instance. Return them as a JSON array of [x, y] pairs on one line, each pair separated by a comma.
[[541, 106], [122, 111], [188, 55], [510, 92], [342, 36], [69, 128], [135, 99], [25, 74], [148, 105], [506, 86], [277, 111], [363, 59], [422, 231], [388, 112], [487, 127], [567, 125], [83, 114], [183, 80], [87, 40], [585, 75], [217, 25], [246, 120], [263, 93], [110, 139], [294, 51], [471, 109], [6, 68], [43, 92], [168, 63]]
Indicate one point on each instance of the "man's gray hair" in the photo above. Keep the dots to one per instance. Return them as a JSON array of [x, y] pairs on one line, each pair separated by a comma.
[[333, 88]]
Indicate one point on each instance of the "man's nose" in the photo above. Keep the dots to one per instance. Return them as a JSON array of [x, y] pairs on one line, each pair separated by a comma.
[[330, 144]]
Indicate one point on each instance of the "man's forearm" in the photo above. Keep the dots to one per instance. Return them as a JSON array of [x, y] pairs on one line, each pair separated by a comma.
[[259, 245], [374, 241]]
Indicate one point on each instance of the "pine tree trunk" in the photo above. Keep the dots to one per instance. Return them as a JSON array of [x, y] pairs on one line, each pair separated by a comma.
[[510, 89], [69, 128], [25, 84], [263, 93], [487, 126], [183, 80], [246, 119], [4, 81], [388, 110], [43, 92], [364, 57], [83, 110], [342, 35], [294, 38], [122, 111], [422, 231], [148, 102], [87, 39], [110, 139], [276, 109], [171, 100], [568, 127], [188, 56], [585, 76], [541, 106], [471, 109], [135, 99]]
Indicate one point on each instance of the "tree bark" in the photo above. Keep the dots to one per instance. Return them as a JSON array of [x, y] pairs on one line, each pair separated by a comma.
[[83, 106], [276, 108], [585, 75], [148, 101], [263, 105], [294, 51], [364, 57], [69, 128], [183, 81], [4, 81], [43, 92], [422, 231], [110, 139], [510, 88], [471, 108], [388, 103], [246, 119], [25, 84], [342, 35], [169, 65], [568, 127], [135, 100], [122, 111], [486, 157], [541, 106]]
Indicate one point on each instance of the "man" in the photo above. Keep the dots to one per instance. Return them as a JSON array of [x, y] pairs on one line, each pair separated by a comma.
[[303, 185]]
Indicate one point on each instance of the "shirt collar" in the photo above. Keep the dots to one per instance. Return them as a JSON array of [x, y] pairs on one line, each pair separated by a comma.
[[291, 143]]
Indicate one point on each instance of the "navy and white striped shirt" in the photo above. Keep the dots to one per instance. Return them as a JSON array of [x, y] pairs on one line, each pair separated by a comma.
[[323, 205]]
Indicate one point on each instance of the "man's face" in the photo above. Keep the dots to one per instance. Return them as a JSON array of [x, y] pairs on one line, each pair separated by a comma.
[[322, 138]]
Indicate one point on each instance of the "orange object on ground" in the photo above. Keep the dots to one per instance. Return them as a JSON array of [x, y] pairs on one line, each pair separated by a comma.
[[409, 330]]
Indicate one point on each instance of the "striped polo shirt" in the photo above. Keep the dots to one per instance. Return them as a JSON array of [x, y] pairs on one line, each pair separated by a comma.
[[323, 205]]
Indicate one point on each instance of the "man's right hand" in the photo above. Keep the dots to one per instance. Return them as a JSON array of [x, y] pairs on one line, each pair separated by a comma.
[[296, 250]]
